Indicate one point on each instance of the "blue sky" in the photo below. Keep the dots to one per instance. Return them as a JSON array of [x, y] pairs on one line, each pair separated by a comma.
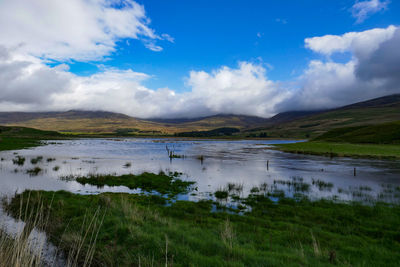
[[180, 58], [209, 34]]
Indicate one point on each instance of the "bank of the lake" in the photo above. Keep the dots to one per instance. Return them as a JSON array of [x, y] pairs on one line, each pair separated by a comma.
[[332, 149], [13, 138]]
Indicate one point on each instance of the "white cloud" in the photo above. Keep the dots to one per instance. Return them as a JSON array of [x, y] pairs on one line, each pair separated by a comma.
[[245, 90], [40, 31], [361, 10], [357, 42], [283, 21], [167, 37], [373, 70], [36, 86], [152, 46], [81, 30]]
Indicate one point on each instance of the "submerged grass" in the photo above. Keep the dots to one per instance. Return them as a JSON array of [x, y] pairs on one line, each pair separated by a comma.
[[143, 230]]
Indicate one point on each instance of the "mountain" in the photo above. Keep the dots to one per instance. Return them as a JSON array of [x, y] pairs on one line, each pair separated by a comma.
[[14, 117], [78, 121], [371, 112], [298, 124]]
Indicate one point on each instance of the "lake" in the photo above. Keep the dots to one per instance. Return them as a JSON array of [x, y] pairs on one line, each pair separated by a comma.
[[212, 164]]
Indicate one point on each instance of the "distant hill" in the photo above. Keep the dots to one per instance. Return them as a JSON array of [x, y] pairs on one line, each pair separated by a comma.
[[78, 121], [371, 112], [14, 117], [292, 124], [386, 133]]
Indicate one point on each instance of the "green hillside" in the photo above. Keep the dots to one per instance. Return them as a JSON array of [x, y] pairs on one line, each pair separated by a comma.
[[20, 137], [375, 111], [387, 133]]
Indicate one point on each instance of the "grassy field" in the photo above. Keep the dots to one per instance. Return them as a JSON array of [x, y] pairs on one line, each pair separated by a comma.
[[332, 149], [141, 230], [375, 141], [315, 125], [386, 133], [20, 137]]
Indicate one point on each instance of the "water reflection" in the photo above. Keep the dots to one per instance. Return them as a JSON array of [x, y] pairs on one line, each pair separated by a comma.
[[212, 164]]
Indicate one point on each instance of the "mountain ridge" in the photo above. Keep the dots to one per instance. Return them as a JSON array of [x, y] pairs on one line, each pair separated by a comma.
[[284, 124]]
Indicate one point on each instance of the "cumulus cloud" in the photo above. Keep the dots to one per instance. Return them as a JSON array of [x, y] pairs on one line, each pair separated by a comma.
[[245, 90], [75, 29], [372, 71], [356, 42], [241, 90], [361, 10], [39, 32], [25, 81]]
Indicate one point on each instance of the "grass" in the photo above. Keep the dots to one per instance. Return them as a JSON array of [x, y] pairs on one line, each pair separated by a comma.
[[315, 125], [142, 230], [165, 184], [12, 138], [17, 252], [118, 126], [387, 133], [26, 248], [343, 149]]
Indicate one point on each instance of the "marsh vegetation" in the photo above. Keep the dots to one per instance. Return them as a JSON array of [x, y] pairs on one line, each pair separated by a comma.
[[275, 208]]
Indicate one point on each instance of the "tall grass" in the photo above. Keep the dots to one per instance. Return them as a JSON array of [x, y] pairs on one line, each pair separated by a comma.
[[28, 245], [17, 252]]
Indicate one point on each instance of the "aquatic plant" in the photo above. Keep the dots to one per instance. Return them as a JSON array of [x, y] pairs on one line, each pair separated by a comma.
[[163, 183], [172, 155], [235, 187], [56, 168], [221, 194], [201, 158], [34, 171], [36, 160], [322, 185], [254, 190], [19, 161]]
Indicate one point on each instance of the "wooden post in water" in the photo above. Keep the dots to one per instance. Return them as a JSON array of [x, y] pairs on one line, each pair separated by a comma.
[[355, 172], [267, 165]]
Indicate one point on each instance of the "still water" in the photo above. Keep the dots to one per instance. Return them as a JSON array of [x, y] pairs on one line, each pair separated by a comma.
[[247, 163]]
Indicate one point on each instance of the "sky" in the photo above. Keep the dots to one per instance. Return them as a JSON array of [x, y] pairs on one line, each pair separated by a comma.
[[181, 59]]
